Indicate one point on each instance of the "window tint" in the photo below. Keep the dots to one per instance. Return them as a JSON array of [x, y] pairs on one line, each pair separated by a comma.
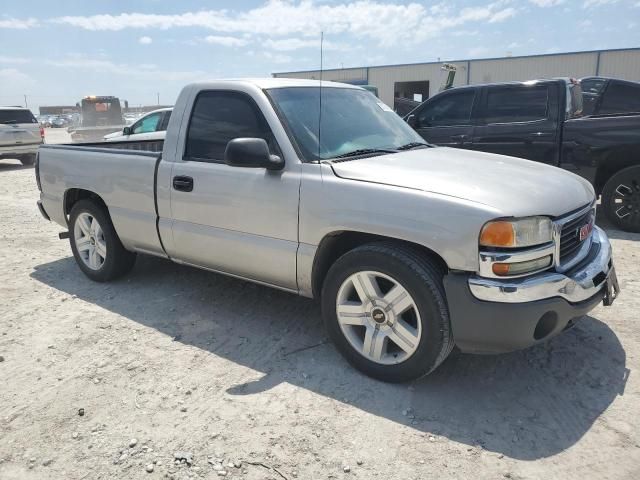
[[621, 98], [16, 116], [147, 124], [451, 109], [519, 104], [219, 117]]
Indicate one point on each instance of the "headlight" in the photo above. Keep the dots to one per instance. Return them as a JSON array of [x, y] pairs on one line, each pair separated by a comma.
[[525, 232]]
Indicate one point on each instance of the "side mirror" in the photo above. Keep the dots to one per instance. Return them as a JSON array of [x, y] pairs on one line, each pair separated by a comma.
[[251, 153], [412, 121], [127, 131]]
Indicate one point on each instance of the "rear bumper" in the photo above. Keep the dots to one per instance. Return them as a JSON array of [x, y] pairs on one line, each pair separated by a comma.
[[10, 151], [494, 316]]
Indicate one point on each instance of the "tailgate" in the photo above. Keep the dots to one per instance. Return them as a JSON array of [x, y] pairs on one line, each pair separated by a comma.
[[19, 134]]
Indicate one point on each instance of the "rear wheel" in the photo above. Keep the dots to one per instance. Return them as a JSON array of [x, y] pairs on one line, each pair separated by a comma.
[[28, 159], [95, 243], [385, 309], [621, 199]]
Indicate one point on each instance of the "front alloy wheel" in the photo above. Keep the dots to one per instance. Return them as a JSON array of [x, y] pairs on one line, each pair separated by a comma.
[[378, 317], [385, 309]]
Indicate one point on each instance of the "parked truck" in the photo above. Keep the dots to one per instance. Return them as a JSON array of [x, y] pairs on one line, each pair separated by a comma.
[[410, 249], [543, 120], [99, 116]]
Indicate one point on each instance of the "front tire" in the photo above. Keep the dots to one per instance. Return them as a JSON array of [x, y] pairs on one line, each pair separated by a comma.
[[385, 309], [95, 243], [621, 199], [28, 159]]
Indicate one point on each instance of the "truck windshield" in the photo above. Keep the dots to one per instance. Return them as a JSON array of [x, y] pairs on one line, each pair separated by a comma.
[[352, 120]]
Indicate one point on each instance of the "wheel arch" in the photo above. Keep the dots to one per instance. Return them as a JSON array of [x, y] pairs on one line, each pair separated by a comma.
[[337, 243], [74, 195]]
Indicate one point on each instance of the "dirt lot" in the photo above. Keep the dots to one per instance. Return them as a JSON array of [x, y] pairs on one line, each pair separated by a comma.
[[172, 360]]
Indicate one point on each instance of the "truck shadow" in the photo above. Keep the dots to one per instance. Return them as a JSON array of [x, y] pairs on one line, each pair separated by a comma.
[[7, 166], [525, 405]]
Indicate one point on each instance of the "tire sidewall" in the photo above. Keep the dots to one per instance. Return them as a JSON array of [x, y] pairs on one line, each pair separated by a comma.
[[431, 307]]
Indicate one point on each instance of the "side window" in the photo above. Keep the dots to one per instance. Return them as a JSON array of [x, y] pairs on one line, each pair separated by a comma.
[[517, 104], [621, 98], [217, 118], [450, 110], [147, 124]]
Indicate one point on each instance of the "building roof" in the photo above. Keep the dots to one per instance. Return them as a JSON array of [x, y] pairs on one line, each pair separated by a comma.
[[439, 62]]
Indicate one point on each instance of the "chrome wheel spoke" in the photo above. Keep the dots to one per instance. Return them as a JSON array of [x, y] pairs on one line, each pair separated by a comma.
[[85, 225], [101, 248], [399, 300], [374, 342], [83, 244], [351, 314], [404, 336], [366, 287]]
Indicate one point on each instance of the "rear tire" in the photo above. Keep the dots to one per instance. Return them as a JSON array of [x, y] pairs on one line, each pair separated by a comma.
[[400, 330], [95, 243], [29, 159], [621, 199]]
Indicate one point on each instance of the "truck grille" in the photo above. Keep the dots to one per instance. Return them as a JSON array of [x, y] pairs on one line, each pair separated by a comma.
[[570, 241]]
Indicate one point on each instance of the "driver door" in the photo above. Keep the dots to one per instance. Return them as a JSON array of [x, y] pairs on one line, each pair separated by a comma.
[[237, 220]]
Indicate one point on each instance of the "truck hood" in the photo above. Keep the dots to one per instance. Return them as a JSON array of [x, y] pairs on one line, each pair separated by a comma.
[[511, 185]]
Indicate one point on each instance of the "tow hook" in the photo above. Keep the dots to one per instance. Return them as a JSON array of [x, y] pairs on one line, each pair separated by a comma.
[[63, 235]]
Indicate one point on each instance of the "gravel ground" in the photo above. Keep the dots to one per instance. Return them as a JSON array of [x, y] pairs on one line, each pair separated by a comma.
[[189, 374]]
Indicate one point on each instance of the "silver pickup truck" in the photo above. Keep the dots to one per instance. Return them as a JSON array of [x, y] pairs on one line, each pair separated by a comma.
[[325, 192]]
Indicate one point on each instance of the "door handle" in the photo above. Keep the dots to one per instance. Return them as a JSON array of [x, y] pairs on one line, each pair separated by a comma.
[[182, 183], [459, 138], [540, 134]]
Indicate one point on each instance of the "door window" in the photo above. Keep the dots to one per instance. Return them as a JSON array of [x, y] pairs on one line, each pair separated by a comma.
[[217, 118], [147, 124], [450, 110], [621, 98], [517, 104]]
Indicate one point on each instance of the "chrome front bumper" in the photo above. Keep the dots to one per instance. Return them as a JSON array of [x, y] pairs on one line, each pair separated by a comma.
[[579, 284]]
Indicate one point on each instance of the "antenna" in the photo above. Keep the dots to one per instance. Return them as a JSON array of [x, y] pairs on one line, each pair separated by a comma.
[[320, 95]]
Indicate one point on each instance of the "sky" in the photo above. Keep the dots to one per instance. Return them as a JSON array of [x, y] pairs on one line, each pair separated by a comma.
[[55, 52]]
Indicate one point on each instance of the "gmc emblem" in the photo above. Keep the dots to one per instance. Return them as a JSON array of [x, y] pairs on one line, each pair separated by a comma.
[[585, 230]]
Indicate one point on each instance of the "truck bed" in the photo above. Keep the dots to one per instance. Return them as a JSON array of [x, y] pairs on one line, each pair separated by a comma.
[[122, 174]]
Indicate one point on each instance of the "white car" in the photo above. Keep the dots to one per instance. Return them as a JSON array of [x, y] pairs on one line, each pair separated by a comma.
[[152, 126]]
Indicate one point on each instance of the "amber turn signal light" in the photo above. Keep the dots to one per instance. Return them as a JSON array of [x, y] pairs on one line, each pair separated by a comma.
[[498, 234]]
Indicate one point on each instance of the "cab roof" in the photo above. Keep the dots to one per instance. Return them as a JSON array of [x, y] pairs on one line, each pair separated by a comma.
[[269, 82]]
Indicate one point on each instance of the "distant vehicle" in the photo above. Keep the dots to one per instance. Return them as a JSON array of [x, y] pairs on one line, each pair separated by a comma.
[[59, 122], [152, 126], [543, 120], [44, 121], [606, 96], [411, 249], [20, 134], [99, 115]]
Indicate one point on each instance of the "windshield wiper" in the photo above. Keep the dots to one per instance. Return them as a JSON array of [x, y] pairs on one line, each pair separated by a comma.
[[411, 145], [365, 151], [9, 122]]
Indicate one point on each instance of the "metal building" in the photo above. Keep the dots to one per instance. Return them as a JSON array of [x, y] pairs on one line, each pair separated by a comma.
[[420, 80]]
